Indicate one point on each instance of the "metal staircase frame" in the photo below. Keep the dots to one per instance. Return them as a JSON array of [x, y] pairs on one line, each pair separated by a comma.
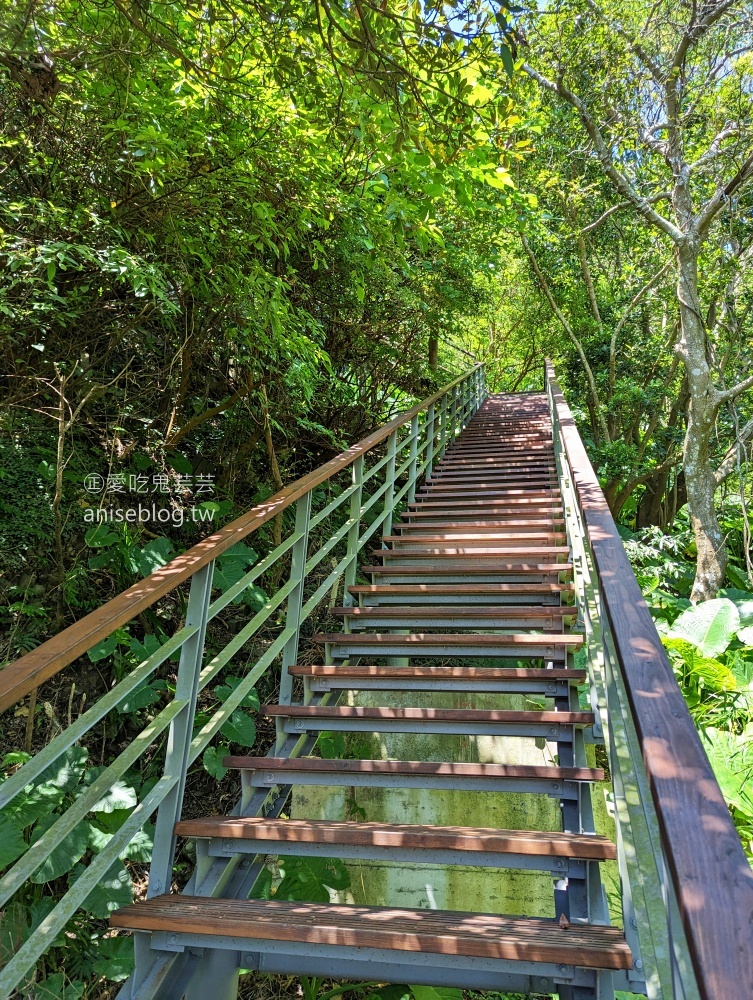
[[687, 891]]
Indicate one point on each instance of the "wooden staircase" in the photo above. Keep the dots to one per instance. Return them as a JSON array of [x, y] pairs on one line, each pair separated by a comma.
[[469, 593]]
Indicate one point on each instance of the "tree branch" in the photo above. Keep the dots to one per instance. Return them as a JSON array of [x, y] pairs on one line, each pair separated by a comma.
[[713, 206], [569, 330], [619, 180], [664, 196], [727, 394], [729, 462], [626, 315]]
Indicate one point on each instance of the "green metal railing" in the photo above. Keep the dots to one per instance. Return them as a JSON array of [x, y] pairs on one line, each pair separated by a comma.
[[337, 509], [686, 886]]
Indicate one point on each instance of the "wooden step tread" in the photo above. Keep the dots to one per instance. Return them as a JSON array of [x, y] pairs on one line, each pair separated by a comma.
[[468, 568], [489, 552], [458, 589], [455, 611], [413, 767], [572, 641], [469, 715], [512, 501], [439, 932], [453, 838], [440, 673], [482, 537]]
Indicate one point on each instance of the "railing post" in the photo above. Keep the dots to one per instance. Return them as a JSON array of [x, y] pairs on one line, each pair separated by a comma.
[[429, 425], [389, 478], [443, 426], [354, 533], [413, 459], [453, 415], [299, 553], [181, 733]]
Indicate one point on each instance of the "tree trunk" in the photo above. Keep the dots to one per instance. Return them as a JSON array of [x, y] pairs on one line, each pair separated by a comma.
[[702, 410], [433, 351]]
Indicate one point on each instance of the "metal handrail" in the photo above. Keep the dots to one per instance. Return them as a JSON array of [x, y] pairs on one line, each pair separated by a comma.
[[687, 886], [432, 427], [19, 678]]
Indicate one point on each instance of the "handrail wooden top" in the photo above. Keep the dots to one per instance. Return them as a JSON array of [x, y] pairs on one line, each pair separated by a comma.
[[19, 678], [712, 878]]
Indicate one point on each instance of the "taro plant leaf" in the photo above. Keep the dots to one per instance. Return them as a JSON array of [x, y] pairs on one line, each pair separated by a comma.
[[103, 649], [65, 773], [231, 566], [139, 848], [743, 601], [731, 757], [392, 992], [307, 879], [33, 803], [118, 796], [716, 675], [143, 649], [709, 626], [745, 635], [436, 993], [152, 557], [12, 843], [240, 728], [65, 854], [114, 958], [100, 537], [212, 761], [223, 692], [263, 885], [115, 889], [147, 693]]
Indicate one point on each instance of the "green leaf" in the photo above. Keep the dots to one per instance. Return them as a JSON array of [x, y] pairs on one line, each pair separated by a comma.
[[709, 626], [306, 879], [154, 556], [139, 848], [100, 537], [103, 649], [392, 992], [114, 958], [65, 855], [223, 692], [115, 889], [436, 993], [240, 728], [212, 761], [745, 635], [12, 843], [66, 772], [232, 566], [507, 60], [743, 601], [119, 796], [147, 693]]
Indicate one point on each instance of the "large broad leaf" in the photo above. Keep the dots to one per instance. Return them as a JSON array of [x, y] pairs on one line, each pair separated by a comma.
[[716, 676], [223, 692], [139, 847], [436, 993], [119, 796], [114, 958], [240, 728], [212, 761], [709, 626], [731, 758], [65, 854], [306, 879], [115, 889], [746, 635], [743, 601], [12, 843], [232, 566], [65, 773], [32, 804]]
